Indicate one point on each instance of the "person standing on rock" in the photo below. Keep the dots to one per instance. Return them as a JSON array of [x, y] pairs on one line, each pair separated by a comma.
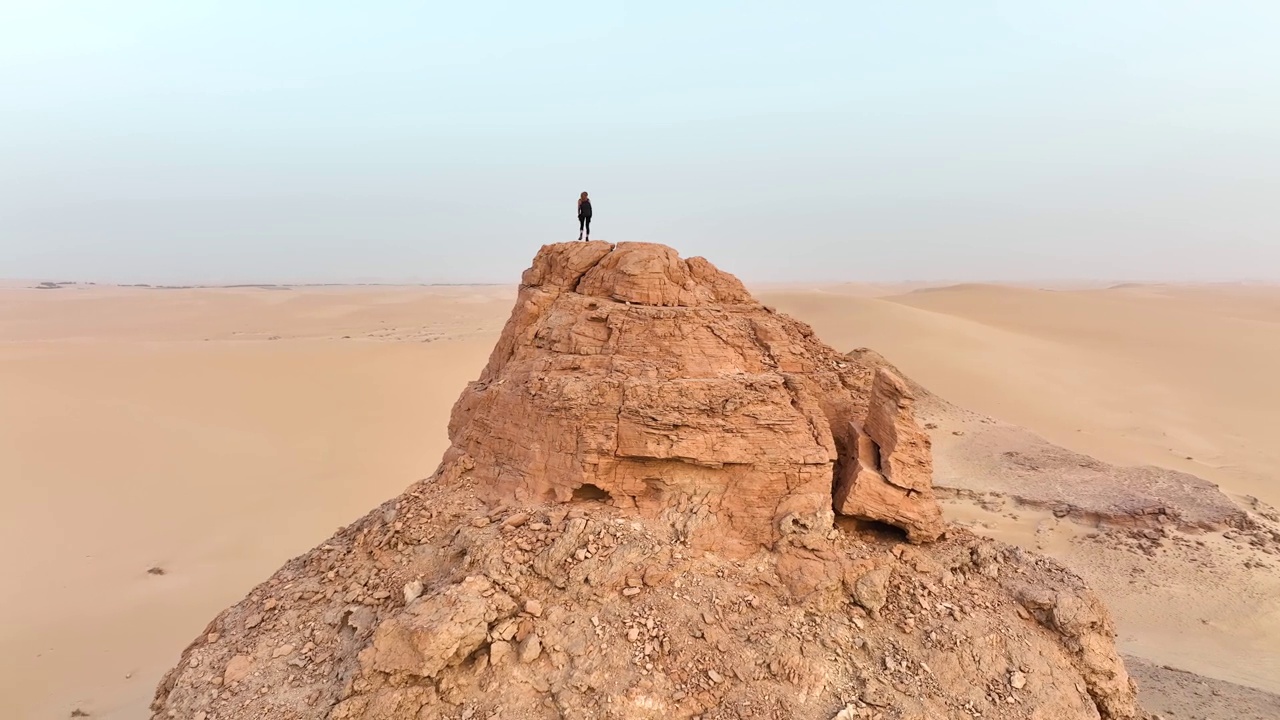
[[584, 217]]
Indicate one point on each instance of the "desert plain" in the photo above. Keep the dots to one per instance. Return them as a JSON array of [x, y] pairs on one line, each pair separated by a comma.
[[162, 450]]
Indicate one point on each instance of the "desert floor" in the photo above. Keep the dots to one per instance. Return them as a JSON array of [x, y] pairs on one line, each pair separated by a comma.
[[163, 450]]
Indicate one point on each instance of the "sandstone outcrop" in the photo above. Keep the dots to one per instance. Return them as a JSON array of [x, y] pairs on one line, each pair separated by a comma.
[[635, 521], [889, 474], [658, 382]]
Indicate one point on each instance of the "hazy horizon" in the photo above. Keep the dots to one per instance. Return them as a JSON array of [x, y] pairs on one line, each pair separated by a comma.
[[236, 142]]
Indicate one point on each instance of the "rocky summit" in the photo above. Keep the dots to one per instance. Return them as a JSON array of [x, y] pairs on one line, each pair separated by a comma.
[[657, 384], [662, 499]]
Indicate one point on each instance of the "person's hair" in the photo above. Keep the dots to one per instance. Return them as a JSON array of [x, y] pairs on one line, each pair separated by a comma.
[[583, 195]]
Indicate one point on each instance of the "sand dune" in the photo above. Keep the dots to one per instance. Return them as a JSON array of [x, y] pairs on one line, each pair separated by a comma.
[[164, 429], [135, 421]]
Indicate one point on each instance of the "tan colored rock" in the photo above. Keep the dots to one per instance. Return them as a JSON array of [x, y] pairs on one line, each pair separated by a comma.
[[1017, 680], [860, 472], [530, 648], [657, 380], [237, 669], [499, 651], [650, 274], [389, 704], [903, 445], [412, 590], [872, 590], [889, 477], [564, 268], [441, 630]]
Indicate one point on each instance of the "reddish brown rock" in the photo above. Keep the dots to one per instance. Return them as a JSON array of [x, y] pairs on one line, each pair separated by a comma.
[[440, 630], [658, 380], [904, 447], [660, 383], [890, 476], [649, 274]]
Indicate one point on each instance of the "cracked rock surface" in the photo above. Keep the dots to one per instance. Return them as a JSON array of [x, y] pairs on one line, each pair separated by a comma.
[[660, 382]]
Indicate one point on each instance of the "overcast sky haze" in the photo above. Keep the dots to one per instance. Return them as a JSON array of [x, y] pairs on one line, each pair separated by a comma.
[[267, 141]]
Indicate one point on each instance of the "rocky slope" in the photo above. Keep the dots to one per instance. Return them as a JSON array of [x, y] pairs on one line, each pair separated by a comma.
[[662, 499]]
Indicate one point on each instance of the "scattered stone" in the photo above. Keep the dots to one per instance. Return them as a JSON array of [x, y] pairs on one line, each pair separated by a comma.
[[1017, 680], [876, 694], [849, 712], [440, 631], [653, 576], [412, 591], [872, 590], [533, 607], [498, 652], [530, 648], [237, 669]]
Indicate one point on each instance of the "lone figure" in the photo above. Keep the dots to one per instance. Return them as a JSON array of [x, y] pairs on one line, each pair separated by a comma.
[[584, 217]]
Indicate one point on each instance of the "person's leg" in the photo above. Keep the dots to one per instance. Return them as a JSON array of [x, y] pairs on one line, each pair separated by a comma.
[[581, 224], [588, 220]]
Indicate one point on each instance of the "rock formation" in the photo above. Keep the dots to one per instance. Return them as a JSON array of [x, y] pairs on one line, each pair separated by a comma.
[[659, 382], [635, 520], [889, 474]]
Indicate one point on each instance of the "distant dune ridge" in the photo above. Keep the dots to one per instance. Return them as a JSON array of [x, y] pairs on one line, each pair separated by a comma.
[[218, 432]]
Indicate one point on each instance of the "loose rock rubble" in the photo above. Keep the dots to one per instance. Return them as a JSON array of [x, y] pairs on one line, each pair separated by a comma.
[[635, 521]]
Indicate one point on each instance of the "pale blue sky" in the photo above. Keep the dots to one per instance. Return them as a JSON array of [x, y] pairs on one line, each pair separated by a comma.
[[327, 141]]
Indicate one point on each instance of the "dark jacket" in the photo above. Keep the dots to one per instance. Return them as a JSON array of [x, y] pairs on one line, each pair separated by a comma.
[[584, 208]]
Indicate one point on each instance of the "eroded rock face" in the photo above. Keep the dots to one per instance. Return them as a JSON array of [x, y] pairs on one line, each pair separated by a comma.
[[660, 382], [890, 473]]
